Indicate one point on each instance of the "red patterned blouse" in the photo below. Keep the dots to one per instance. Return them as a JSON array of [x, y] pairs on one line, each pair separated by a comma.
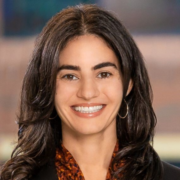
[[67, 167]]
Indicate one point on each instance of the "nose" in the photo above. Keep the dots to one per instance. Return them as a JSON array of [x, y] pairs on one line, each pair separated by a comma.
[[88, 90]]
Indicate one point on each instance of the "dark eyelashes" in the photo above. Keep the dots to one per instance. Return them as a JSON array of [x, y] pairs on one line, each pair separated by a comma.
[[69, 77], [103, 75]]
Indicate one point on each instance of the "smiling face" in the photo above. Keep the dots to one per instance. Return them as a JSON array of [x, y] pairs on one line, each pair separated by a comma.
[[88, 87]]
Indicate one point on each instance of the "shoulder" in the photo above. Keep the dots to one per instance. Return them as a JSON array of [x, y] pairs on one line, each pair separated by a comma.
[[170, 172], [47, 172]]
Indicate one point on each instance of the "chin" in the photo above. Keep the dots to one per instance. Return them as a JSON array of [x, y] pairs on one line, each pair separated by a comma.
[[88, 129]]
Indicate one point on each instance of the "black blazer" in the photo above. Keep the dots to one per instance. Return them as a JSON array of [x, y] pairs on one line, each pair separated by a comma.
[[48, 172]]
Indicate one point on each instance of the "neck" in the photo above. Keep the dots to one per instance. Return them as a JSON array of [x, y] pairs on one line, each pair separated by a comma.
[[92, 150]]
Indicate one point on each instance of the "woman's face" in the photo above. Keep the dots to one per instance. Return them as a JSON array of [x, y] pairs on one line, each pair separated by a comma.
[[88, 86]]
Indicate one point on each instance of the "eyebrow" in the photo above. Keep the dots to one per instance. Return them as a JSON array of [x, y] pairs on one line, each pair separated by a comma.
[[77, 68]]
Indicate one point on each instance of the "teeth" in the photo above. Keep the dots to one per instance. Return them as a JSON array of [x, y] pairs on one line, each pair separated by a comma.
[[91, 109]]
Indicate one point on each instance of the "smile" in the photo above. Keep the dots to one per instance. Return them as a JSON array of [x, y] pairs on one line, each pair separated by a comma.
[[90, 109]]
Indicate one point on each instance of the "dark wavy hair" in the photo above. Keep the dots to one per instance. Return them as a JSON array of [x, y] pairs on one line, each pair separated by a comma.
[[40, 127]]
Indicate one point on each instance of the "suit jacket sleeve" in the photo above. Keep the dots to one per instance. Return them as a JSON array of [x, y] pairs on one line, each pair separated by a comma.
[[170, 172]]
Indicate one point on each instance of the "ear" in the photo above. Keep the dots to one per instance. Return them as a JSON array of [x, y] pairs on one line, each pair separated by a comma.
[[130, 86]]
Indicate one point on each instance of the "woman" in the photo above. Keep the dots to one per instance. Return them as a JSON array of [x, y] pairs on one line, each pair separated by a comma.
[[86, 109]]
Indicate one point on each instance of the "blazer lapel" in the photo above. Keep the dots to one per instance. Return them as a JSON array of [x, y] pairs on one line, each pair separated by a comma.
[[47, 172]]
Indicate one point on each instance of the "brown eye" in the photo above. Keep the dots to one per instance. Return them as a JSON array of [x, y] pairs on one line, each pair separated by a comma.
[[104, 75], [69, 77]]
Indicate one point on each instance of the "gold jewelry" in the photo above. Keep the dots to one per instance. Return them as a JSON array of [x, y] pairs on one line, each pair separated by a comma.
[[53, 117], [127, 108]]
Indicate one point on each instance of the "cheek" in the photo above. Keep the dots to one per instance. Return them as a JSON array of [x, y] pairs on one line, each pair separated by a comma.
[[63, 93], [114, 91]]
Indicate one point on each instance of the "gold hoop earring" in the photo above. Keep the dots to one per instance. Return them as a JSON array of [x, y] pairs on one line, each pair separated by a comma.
[[53, 117], [127, 108]]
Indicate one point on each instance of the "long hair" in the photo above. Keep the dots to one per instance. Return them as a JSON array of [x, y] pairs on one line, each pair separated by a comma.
[[39, 125]]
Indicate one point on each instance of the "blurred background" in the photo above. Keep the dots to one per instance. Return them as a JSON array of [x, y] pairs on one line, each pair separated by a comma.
[[155, 26]]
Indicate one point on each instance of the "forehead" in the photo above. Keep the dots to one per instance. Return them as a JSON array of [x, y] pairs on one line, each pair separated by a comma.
[[87, 50]]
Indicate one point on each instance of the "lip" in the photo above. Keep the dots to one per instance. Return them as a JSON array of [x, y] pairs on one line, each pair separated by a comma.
[[88, 104], [88, 115]]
